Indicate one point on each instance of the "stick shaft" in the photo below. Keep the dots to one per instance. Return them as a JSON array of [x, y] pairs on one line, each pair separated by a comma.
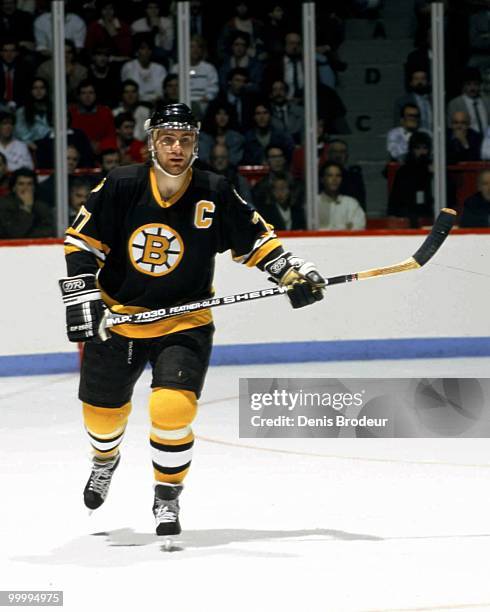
[[429, 247]]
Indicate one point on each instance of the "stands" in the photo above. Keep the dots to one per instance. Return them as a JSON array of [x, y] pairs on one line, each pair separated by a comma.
[[365, 58]]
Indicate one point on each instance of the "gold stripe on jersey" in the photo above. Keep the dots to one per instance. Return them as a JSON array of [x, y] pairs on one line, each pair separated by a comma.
[[81, 242], [177, 195], [71, 249], [158, 328], [262, 251]]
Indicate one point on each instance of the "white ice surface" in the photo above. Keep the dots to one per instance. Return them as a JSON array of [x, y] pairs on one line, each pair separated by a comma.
[[288, 525]]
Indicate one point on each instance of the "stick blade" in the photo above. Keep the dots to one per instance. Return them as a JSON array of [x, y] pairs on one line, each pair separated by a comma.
[[438, 234]]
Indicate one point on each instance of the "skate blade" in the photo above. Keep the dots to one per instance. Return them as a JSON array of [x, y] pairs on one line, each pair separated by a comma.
[[170, 544], [90, 512]]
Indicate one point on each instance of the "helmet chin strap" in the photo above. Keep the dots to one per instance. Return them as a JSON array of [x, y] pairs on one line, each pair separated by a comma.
[[160, 168]]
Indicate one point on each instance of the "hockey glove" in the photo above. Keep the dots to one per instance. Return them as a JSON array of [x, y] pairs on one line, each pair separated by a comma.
[[302, 280], [84, 309]]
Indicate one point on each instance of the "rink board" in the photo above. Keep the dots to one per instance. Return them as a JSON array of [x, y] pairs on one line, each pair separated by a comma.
[[440, 310]]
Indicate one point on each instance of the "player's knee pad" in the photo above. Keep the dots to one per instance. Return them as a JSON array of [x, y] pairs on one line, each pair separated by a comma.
[[104, 421], [172, 409]]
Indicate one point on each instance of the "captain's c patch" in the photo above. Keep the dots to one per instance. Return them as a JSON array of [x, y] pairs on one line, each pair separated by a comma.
[[203, 215], [155, 249]]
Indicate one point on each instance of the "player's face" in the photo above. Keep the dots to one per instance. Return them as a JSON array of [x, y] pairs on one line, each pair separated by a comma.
[[174, 149]]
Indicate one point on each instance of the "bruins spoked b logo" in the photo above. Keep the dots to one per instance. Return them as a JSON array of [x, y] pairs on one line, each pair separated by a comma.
[[155, 249]]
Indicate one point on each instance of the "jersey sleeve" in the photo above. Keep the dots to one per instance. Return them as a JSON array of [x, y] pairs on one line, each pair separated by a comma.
[[244, 231], [88, 240]]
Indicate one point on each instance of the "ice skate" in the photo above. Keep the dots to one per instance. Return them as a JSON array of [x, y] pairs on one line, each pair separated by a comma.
[[97, 486], [166, 511]]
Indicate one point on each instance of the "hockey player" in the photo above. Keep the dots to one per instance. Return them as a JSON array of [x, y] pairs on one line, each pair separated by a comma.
[[147, 238]]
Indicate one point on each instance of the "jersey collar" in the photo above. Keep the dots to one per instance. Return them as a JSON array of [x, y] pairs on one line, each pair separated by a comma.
[[177, 195]]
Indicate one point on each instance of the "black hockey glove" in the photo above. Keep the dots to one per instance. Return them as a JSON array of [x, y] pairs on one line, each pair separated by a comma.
[[302, 280], [84, 309]]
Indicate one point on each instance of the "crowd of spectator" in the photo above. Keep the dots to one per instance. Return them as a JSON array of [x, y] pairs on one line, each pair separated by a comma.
[[246, 84], [467, 63]]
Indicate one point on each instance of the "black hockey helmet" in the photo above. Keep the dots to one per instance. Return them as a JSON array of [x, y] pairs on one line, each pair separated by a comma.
[[173, 116]]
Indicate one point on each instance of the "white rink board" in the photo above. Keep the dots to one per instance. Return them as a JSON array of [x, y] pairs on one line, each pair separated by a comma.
[[436, 301]]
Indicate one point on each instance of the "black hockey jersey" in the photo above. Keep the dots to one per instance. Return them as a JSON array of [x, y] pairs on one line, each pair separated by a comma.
[[156, 253]]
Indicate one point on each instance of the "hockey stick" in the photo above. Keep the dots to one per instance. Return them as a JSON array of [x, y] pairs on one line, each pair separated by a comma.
[[427, 250]]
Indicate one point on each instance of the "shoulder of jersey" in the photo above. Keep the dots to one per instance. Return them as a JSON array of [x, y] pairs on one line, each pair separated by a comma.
[[131, 172], [206, 179]]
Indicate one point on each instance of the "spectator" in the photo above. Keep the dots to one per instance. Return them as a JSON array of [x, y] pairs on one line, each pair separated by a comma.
[[333, 109], [476, 211], [76, 137], [479, 38], [279, 209], [238, 94], [47, 189], [4, 178], [243, 22], [110, 33], [28, 6], [109, 159], [130, 103], [75, 72], [289, 67], [94, 119], [127, 11], [15, 151], [21, 214], [220, 163], [34, 119], [485, 146], [352, 179], [14, 75], [17, 24], [462, 143], [147, 74], [418, 95], [204, 22], [203, 77], [130, 149], [420, 58], [75, 30], [219, 128], [262, 135], [471, 102], [238, 57], [161, 29], [288, 114], [104, 74], [298, 163], [326, 74], [336, 210], [170, 90], [276, 25], [399, 137], [261, 192], [330, 34], [411, 194], [78, 193]]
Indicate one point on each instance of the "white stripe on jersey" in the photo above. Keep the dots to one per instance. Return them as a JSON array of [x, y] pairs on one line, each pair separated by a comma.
[[81, 244]]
